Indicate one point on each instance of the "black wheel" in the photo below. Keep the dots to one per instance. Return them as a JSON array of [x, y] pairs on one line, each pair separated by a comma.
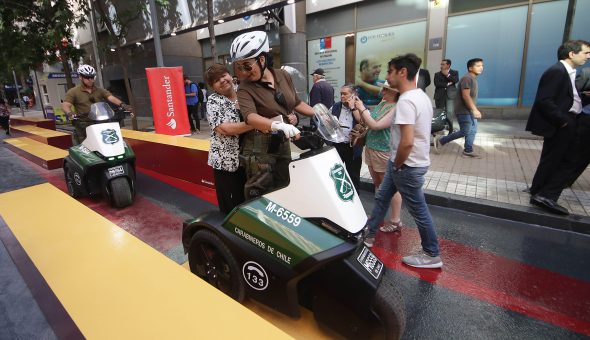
[[210, 259], [120, 192], [389, 308], [73, 189], [448, 125]]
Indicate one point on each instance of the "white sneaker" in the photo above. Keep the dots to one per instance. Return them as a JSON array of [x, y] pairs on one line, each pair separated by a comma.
[[423, 260]]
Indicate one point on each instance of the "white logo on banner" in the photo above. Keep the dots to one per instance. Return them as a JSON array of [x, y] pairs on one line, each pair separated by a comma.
[[172, 123]]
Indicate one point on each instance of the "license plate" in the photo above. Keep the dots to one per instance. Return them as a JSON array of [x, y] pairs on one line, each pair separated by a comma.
[[370, 262], [116, 171]]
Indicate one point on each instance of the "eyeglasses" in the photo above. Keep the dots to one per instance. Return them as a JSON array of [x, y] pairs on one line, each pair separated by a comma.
[[88, 77], [244, 67]]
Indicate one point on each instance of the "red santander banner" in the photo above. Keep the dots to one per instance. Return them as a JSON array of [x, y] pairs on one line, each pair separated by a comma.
[[168, 99]]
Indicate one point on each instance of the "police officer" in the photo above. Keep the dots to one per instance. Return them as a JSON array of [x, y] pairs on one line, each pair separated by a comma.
[[267, 101], [82, 97]]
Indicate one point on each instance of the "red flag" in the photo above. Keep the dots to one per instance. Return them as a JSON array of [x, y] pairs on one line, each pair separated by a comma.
[[168, 99]]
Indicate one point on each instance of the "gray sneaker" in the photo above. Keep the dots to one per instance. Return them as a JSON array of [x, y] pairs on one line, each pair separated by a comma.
[[423, 260], [369, 241], [471, 155]]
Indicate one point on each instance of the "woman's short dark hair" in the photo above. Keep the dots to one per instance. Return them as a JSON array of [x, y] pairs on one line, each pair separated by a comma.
[[215, 72]]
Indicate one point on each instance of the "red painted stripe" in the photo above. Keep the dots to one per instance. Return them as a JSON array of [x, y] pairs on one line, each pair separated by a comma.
[[538, 293], [202, 192]]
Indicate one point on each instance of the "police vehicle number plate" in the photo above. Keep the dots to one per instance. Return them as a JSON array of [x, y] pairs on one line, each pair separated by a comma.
[[116, 170], [370, 262]]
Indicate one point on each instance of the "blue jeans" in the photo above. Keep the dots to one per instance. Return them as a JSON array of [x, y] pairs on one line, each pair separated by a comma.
[[408, 181], [467, 129]]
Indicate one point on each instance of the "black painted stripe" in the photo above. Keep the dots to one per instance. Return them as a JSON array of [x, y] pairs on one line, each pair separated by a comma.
[[55, 313]]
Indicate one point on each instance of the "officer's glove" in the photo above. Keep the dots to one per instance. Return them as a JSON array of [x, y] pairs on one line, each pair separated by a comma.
[[289, 130], [127, 108]]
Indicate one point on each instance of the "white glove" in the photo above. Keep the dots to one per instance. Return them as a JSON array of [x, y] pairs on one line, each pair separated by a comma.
[[289, 130]]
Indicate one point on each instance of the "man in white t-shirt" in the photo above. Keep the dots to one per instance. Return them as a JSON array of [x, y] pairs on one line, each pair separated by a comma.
[[410, 158]]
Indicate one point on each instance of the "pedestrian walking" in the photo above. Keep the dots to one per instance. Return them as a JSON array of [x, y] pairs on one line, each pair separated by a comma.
[[555, 116], [5, 116], [192, 104], [409, 162], [203, 100], [466, 110]]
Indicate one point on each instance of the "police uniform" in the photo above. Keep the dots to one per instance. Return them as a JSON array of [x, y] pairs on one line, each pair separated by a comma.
[[82, 100], [266, 156]]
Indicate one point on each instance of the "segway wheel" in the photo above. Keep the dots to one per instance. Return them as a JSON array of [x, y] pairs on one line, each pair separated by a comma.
[[389, 307], [73, 189], [120, 193], [210, 259]]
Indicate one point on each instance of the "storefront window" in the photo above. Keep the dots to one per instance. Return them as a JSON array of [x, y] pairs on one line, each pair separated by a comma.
[[545, 36], [375, 48], [497, 37], [581, 26]]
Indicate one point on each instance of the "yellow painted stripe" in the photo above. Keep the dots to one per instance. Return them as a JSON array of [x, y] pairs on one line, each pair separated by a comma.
[[32, 129], [30, 119], [306, 327], [113, 285], [38, 149], [191, 143]]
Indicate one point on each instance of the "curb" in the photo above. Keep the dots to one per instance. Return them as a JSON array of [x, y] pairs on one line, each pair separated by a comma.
[[512, 212]]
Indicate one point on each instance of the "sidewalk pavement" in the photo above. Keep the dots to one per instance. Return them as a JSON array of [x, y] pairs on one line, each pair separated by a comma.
[[496, 181]]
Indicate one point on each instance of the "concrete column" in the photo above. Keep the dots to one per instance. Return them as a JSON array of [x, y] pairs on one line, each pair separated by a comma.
[[436, 43], [294, 47]]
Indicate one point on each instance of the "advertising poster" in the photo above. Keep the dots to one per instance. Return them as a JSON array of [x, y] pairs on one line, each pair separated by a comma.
[[375, 48], [168, 100], [327, 53]]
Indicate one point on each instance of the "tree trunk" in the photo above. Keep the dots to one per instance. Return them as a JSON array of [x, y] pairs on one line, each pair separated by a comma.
[[68, 72], [123, 60], [122, 54], [211, 24]]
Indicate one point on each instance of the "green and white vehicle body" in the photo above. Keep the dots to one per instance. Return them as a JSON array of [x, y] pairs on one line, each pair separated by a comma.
[[103, 164], [300, 245]]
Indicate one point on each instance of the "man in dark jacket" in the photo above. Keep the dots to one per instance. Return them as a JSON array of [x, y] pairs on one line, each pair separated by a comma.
[[321, 91], [554, 116], [350, 155], [446, 90]]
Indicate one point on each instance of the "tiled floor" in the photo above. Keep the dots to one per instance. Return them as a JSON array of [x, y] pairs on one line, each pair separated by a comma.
[[506, 168]]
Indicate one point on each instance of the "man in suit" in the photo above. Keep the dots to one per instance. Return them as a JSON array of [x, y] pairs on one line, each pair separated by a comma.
[[554, 116], [446, 90]]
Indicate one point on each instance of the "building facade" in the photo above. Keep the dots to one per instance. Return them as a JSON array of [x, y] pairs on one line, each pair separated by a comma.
[[518, 40]]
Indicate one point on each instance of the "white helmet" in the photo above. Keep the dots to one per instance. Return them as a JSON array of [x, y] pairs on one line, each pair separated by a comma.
[[249, 45], [86, 71]]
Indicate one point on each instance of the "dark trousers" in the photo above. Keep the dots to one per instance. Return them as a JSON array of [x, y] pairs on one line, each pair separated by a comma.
[[555, 148], [203, 109], [448, 105], [193, 114], [80, 125], [575, 161], [229, 187], [352, 162]]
